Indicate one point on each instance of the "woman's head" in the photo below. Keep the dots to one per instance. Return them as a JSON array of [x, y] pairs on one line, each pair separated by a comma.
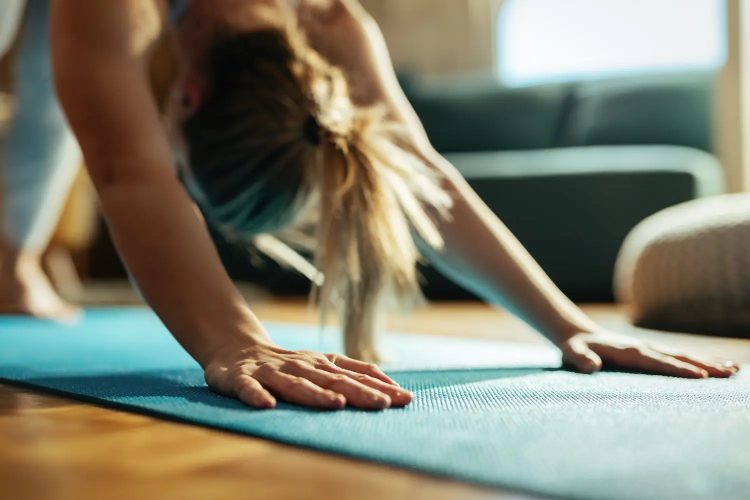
[[252, 134], [276, 143]]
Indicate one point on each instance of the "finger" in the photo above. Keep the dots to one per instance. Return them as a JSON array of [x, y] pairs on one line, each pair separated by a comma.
[[357, 394], [714, 369], [731, 364], [251, 392], [705, 362], [360, 367], [399, 397], [578, 355], [656, 362], [298, 390]]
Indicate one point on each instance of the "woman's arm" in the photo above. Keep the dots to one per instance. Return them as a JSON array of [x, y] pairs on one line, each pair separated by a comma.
[[101, 53], [102, 81], [480, 252], [485, 257]]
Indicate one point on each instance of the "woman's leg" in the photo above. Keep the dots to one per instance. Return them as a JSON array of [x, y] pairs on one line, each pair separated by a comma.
[[41, 160], [10, 18]]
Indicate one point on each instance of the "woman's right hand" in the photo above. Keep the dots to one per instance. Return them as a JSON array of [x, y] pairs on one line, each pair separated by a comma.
[[260, 373]]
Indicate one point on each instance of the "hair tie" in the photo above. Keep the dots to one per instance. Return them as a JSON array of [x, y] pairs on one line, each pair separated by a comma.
[[311, 131]]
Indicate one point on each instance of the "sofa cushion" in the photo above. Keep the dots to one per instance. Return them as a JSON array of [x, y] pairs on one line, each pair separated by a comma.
[[491, 118], [673, 109]]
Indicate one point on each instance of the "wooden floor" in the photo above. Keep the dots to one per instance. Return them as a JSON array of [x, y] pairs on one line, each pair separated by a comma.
[[52, 448]]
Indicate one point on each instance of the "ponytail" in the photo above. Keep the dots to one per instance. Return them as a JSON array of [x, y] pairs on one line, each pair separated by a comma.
[[374, 195]]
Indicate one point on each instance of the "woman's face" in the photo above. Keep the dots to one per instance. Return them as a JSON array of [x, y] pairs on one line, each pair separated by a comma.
[[201, 24], [178, 108]]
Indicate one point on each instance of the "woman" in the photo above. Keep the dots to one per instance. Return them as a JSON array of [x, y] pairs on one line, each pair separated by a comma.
[[269, 134]]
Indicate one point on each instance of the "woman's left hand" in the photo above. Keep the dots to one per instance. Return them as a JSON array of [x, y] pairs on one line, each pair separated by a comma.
[[589, 352]]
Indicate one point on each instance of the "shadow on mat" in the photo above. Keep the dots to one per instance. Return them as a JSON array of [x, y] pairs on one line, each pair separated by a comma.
[[184, 384], [445, 378], [188, 384]]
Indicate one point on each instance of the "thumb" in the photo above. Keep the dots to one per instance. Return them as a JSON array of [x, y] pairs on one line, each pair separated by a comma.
[[578, 355]]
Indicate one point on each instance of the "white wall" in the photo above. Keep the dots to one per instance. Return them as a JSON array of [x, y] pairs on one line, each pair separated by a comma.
[[439, 36]]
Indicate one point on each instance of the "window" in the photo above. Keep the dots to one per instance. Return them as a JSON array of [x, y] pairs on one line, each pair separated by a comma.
[[558, 40]]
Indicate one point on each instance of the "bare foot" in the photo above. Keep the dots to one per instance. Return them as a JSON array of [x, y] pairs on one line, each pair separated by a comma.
[[25, 289]]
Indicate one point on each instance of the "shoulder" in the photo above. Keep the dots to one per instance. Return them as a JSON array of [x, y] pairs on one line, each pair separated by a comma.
[[101, 54], [125, 28]]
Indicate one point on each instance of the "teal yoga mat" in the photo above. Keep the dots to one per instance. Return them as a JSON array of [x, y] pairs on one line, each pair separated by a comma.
[[511, 421]]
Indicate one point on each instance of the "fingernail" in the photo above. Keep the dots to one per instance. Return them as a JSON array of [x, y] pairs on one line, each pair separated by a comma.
[[385, 399], [703, 373], [267, 403], [339, 400], [590, 366], [333, 395]]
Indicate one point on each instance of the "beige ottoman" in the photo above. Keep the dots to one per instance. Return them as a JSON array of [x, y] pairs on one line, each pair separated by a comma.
[[687, 268]]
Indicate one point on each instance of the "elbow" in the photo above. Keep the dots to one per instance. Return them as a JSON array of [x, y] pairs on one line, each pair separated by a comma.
[[115, 171], [113, 190], [107, 175], [118, 186]]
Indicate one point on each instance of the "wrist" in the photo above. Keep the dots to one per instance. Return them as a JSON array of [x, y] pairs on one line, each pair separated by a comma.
[[214, 339], [563, 330]]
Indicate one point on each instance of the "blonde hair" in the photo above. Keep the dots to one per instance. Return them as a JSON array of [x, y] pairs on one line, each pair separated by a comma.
[[281, 155]]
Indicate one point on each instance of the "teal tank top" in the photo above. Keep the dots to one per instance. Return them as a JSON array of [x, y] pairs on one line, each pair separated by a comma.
[[177, 9]]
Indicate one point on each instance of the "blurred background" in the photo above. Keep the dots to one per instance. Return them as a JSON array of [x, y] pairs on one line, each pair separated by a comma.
[[573, 119]]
